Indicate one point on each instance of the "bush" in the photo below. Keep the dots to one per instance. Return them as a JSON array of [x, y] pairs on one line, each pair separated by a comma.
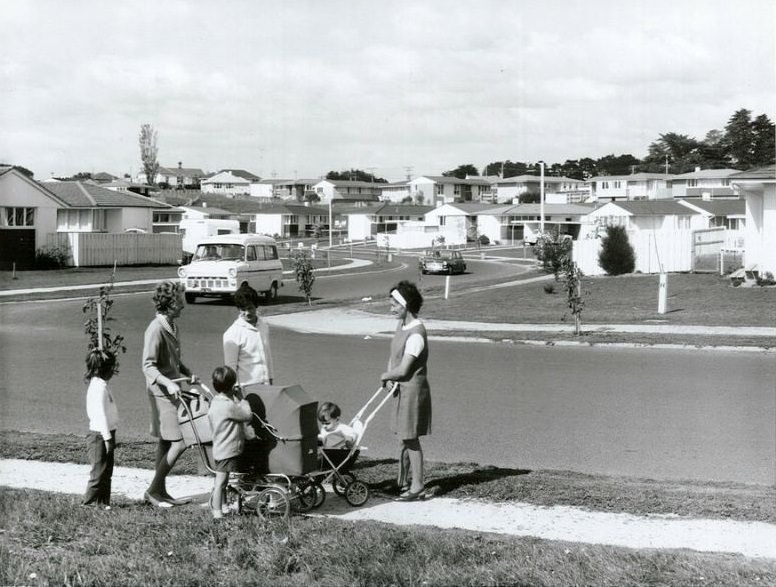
[[554, 251], [484, 240], [616, 256], [51, 258], [549, 288]]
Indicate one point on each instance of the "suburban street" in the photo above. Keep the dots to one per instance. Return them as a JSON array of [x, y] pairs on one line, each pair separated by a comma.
[[637, 412]]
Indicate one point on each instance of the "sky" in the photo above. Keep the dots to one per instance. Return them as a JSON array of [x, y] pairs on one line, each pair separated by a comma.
[[296, 88]]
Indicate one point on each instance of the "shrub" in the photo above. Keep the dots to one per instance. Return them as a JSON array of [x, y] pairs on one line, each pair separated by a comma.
[[549, 288], [303, 269], [484, 240], [616, 256], [51, 258], [554, 251]]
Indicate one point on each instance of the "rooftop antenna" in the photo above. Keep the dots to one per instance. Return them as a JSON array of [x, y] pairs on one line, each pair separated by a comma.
[[408, 169]]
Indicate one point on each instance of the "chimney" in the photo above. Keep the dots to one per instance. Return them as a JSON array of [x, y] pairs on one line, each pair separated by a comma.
[[180, 164], [697, 169]]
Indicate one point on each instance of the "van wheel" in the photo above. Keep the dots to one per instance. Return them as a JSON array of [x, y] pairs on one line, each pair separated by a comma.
[[190, 298], [272, 293]]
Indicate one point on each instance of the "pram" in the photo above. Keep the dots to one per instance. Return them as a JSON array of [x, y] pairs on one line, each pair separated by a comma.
[[290, 473], [267, 495], [336, 463]]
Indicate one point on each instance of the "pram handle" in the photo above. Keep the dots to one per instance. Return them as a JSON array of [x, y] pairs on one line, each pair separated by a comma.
[[271, 429], [371, 399]]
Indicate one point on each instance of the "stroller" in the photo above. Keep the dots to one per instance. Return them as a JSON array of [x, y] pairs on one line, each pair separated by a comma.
[[267, 495], [335, 464]]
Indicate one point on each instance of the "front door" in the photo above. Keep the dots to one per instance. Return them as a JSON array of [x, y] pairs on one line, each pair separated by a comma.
[[17, 245]]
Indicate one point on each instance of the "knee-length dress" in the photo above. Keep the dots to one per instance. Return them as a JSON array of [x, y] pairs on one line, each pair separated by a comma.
[[412, 418], [162, 356]]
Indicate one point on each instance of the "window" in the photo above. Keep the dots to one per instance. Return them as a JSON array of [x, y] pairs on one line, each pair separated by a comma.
[[682, 222], [251, 256], [617, 185], [726, 182], [440, 189], [604, 185], [457, 189], [442, 220], [19, 217], [691, 183], [81, 220]]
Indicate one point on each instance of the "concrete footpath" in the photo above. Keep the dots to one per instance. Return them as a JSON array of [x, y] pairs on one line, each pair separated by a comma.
[[561, 523]]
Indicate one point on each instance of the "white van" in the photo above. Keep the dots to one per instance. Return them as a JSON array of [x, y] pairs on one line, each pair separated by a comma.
[[221, 264], [195, 229]]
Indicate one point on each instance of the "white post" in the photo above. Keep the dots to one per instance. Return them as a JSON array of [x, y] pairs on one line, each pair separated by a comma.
[[99, 324], [14, 271], [330, 223], [447, 286], [662, 293], [541, 198]]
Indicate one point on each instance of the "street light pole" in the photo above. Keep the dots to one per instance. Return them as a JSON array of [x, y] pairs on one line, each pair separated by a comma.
[[541, 198]]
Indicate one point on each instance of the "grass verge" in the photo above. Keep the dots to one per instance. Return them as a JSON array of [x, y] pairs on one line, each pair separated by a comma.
[[469, 480]]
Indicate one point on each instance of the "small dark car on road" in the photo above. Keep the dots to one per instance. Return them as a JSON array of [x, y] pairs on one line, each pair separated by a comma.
[[441, 261]]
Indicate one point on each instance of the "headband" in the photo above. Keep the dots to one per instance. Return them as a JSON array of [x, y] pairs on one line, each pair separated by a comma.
[[398, 297]]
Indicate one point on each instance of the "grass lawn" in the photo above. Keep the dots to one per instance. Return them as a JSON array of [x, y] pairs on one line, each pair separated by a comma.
[[48, 539]]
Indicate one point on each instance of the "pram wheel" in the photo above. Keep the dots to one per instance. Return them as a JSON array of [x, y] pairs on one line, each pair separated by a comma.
[[357, 493], [272, 503], [312, 494], [340, 483]]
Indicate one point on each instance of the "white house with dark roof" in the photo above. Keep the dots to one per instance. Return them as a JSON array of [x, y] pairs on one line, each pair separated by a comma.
[[347, 191], [226, 182], [726, 213], [284, 189], [557, 190], [703, 183], [175, 177], [638, 186], [758, 188], [290, 220], [395, 192], [644, 216], [435, 190]]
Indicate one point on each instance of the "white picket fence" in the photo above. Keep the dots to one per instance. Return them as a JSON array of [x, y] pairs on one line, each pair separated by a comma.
[[91, 249], [656, 252]]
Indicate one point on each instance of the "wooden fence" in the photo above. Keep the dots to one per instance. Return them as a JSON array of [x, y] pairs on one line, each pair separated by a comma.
[[655, 252], [92, 249]]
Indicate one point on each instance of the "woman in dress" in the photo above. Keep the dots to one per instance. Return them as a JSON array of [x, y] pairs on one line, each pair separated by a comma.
[[407, 366], [162, 366]]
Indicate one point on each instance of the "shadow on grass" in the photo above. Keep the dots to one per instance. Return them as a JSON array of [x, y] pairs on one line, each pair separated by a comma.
[[441, 483]]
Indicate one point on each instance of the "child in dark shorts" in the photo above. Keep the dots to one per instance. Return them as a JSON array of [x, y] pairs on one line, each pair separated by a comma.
[[228, 414]]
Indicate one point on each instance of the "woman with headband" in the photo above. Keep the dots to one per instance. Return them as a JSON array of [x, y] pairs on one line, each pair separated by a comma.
[[407, 367]]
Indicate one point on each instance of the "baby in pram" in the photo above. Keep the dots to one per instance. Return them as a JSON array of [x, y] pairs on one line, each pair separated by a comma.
[[333, 433]]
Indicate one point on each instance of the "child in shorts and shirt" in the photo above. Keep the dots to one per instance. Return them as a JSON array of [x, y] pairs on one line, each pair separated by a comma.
[[228, 414]]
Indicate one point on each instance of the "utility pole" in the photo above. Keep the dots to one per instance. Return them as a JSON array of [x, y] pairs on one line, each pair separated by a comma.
[[541, 198]]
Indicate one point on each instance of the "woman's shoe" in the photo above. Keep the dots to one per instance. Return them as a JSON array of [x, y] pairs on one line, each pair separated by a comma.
[[412, 495], [156, 501], [179, 501]]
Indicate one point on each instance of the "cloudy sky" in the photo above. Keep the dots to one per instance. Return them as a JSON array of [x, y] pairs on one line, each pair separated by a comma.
[[295, 88]]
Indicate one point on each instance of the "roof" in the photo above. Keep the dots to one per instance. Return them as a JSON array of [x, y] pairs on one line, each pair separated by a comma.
[[79, 194], [103, 176], [252, 177], [720, 207], [454, 180], [226, 176], [210, 210], [353, 184], [298, 209], [767, 172], [389, 209], [651, 207], [471, 208], [551, 209], [633, 177], [181, 171], [537, 178], [706, 174]]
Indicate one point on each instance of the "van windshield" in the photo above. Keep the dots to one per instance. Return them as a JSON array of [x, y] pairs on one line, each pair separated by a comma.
[[216, 252]]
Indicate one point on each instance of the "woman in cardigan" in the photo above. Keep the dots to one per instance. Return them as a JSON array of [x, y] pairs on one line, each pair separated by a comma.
[[407, 367], [162, 366]]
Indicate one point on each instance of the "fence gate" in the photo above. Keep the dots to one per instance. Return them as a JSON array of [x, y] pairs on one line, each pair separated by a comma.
[[706, 246]]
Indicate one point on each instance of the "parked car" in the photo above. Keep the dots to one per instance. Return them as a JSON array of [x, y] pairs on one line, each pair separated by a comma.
[[442, 261]]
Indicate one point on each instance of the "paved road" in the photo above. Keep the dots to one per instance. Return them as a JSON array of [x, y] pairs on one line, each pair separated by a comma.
[[652, 413]]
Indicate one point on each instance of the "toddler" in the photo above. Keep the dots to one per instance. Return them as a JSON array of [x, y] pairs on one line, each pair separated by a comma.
[[334, 434], [103, 418], [227, 414]]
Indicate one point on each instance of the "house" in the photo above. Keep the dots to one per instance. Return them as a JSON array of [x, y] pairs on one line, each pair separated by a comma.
[[284, 189], [290, 220], [438, 189], [758, 188], [641, 216], [175, 177], [366, 222], [458, 219], [729, 214], [28, 212], [523, 222], [557, 190], [703, 183], [93, 208], [122, 185], [638, 186], [348, 191], [229, 181], [103, 177], [84, 217], [395, 192]]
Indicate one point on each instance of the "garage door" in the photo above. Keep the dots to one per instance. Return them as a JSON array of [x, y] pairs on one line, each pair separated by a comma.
[[17, 245]]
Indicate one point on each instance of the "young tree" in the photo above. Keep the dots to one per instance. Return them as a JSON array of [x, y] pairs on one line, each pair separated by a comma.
[[303, 268], [616, 256], [575, 301], [97, 326], [148, 152]]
